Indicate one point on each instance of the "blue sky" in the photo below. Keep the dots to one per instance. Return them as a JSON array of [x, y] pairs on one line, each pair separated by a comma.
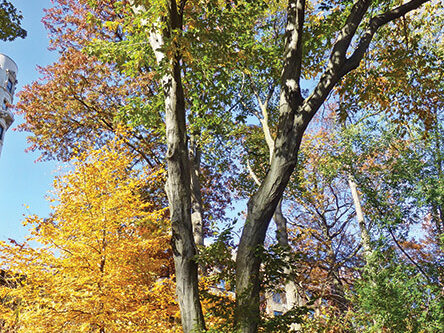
[[22, 180]]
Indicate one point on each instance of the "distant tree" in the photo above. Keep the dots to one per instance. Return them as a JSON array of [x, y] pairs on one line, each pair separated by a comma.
[[10, 22]]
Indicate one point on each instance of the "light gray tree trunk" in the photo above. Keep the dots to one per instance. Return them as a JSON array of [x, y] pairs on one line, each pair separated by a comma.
[[291, 289], [196, 196], [365, 234], [437, 209], [179, 180]]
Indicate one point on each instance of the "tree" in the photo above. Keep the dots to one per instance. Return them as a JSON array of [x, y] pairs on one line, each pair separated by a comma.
[[80, 100], [295, 114], [393, 296], [98, 97], [10, 22], [321, 41], [100, 262]]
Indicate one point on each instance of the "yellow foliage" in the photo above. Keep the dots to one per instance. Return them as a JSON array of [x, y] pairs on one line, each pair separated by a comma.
[[101, 261]]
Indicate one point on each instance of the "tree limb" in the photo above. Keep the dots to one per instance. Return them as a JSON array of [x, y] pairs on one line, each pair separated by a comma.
[[293, 45], [252, 174], [375, 23], [333, 72]]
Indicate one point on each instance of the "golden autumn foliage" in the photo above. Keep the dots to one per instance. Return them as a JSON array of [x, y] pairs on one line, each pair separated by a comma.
[[101, 261]]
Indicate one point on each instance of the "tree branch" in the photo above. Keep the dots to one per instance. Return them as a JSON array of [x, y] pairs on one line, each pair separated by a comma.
[[375, 23], [293, 48], [408, 256], [339, 65], [347, 33], [263, 105], [252, 174], [334, 72]]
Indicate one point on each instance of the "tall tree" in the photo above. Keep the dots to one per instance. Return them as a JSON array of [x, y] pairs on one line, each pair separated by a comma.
[[179, 180], [295, 114]]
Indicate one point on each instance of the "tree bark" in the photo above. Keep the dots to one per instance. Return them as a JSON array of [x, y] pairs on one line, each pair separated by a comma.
[[179, 198], [365, 235], [196, 196], [437, 211], [291, 290], [262, 204], [179, 180]]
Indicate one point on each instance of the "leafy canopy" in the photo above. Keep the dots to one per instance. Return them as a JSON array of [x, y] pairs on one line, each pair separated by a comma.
[[100, 262]]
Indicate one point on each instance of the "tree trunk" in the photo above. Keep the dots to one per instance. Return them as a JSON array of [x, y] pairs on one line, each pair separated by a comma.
[[261, 208], [196, 196], [294, 115], [178, 181], [291, 291], [262, 205], [365, 235], [179, 198], [437, 218], [337, 294], [437, 211]]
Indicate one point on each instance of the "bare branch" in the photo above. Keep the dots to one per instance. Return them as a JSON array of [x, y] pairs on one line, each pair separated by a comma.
[[267, 133], [408, 256], [255, 90], [263, 105], [341, 229], [252, 174]]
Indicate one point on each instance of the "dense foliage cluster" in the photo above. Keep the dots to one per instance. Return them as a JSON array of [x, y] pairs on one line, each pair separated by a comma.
[[10, 22]]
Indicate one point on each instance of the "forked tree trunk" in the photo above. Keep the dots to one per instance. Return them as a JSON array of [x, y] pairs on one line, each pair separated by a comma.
[[261, 208], [294, 115], [262, 204]]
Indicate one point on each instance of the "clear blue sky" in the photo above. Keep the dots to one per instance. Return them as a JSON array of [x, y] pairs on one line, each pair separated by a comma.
[[22, 180]]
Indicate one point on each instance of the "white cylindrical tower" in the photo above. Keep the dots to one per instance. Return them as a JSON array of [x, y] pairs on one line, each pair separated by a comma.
[[8, 81]]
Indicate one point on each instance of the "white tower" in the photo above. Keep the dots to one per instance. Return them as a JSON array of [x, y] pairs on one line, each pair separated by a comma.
[[8, 74]]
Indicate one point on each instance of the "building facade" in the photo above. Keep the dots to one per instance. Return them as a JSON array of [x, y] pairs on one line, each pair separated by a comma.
[[8, 82]]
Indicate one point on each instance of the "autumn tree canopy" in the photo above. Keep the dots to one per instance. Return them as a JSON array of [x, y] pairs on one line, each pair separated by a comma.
[[100, 262], [325, 117]]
